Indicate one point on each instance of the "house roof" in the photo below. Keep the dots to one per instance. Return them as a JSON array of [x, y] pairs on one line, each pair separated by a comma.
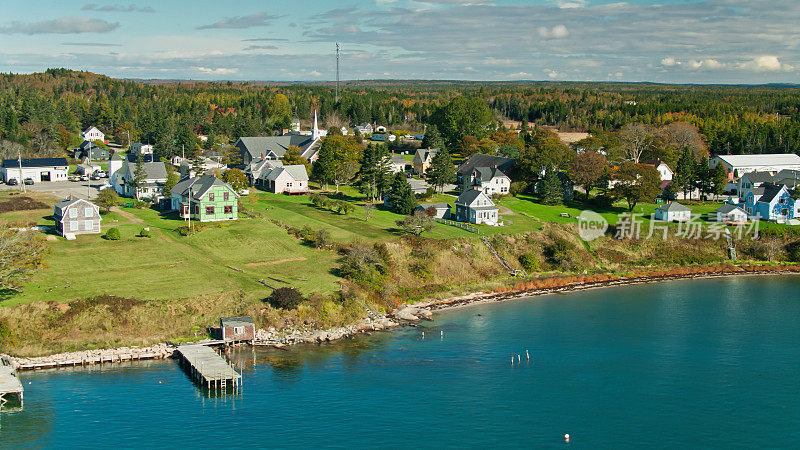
[[727, 208], [297, 172], [154, 170], [470, 195], [34, 162], [199, 185], [236, 321], [398, 159], [756, 191], [489, 173], [770, 192], [277, 145], [759, 177], [134, 157], [69, 201], [775, 159], [481, 160], [655, 163], [425, 153], [673, 206]]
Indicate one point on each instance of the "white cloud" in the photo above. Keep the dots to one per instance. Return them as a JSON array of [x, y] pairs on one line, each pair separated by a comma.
[[557, 32], [259, 19], [519, 75], [706, 64], [217, 71], [64, 25], [566, 4], [669, 62], [765, 63]]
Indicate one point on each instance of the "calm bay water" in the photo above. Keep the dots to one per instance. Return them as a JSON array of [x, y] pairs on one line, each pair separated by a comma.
[[696, 363]]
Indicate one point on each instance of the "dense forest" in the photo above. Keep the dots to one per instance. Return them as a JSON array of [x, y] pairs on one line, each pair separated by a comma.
[[43, 113]]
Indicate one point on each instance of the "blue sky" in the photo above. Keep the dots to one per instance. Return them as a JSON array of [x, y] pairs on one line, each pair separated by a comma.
[[713, 41]]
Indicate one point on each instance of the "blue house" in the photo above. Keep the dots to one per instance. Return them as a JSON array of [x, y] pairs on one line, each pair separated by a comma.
[[775, 203]]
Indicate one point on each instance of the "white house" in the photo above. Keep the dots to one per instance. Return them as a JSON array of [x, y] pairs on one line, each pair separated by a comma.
[[76, 216], [256, 169], [474, 206], [37, 169], [490, 180], [380, 129], [364, 128], [673, 212], [190, 167], [142, 149], [152, 186], [662, 168], [397, 163], [752, 180], [93, 134], [731, 214], [738, 165], [286, 180]]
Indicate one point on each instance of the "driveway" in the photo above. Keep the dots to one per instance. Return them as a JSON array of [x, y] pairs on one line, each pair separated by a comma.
[[62, 189], [420, 186]]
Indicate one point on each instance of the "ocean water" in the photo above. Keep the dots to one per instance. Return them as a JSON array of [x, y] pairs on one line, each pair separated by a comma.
[[681, 364]]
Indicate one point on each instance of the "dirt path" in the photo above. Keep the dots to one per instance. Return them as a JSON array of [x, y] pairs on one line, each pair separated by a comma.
[[272, 263], [127, 215]]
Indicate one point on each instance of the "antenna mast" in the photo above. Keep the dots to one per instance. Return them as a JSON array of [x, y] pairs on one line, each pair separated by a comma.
[[337, 71]]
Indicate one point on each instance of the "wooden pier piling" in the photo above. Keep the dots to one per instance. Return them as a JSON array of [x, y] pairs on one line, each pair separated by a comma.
[[207, 368]]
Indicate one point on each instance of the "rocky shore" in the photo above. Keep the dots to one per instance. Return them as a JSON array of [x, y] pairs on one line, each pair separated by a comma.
[[404, 315]]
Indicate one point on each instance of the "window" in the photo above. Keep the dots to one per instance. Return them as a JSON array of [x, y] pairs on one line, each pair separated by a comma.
[[228, 209], [88, 225], [225, 196], [87, 212], [211, 196], [209, 210], [73, 213], [238, 330], [185, 209], [73, 226], [288, 185]]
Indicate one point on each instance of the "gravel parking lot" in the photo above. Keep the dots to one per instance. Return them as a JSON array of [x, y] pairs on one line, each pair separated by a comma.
[[62, 189]]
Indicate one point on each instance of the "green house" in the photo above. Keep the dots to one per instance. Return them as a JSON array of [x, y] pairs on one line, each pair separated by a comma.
[[205, 198]]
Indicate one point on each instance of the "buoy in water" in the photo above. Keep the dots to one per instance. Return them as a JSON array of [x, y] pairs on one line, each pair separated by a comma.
[[527, 355], [519, 359], [566, 437], [441, 333]]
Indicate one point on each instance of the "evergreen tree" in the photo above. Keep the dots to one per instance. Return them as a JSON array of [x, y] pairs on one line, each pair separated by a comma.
[[719, 179], [432, 138], [375, 172], [401, 196], [684, 173], [702, 177], [442, 170], [551, 190], [139, 175]]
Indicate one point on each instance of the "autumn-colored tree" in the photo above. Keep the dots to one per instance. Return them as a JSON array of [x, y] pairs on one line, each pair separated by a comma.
[[636, 183], [236, 178], [586, 169]]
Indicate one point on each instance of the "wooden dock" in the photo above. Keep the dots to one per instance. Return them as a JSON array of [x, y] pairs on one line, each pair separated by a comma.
[[207, 367], [10, 386]]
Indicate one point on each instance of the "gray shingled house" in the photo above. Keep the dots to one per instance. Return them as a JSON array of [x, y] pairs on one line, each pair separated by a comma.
[[76, 216]]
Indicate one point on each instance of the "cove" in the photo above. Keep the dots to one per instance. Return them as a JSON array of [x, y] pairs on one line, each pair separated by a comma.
[[710, 363]]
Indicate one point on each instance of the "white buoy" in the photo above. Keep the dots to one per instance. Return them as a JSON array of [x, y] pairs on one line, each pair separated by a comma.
[[512, 360], [441, 333], [423, 335], [519, 358], [566, 437], [527, 355]]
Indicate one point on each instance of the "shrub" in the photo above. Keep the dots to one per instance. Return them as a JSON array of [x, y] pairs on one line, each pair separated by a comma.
[[518, 187], [529, 262], [113, 234], [306, 233], [421, 268], [144, 233], [285, 298], [322, 238]]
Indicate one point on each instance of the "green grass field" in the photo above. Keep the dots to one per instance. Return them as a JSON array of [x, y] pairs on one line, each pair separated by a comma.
[[234, 256], [169, 266]]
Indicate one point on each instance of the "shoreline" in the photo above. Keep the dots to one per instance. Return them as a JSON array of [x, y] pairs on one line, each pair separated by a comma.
[[405, 315]]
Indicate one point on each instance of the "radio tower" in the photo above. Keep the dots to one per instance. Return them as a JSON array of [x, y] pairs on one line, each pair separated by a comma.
[[337, 71]]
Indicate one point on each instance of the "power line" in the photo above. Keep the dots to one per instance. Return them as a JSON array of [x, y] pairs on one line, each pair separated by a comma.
[[337, 71]]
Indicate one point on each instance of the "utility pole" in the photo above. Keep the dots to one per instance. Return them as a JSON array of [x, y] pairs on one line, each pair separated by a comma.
[[21, 180], [337, 71]]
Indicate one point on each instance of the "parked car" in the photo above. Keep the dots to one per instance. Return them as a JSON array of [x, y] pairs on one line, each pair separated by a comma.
[[73, 178], [101, 174], [12, 182], [28, 181], [84, 178], [95, 176]]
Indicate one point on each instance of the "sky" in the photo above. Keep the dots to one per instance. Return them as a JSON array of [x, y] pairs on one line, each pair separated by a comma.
[[667, 41]]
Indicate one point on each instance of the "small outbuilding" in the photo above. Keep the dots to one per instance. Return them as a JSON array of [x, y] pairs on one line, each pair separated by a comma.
[[237, 329], [673, 212], [731, 214], [436, 210]]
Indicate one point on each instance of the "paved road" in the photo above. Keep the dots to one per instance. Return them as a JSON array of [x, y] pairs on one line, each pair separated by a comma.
[[419, 186], [62, 189]]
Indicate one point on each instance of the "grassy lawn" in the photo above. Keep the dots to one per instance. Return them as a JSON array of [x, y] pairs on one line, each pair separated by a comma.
[[168, 266]]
